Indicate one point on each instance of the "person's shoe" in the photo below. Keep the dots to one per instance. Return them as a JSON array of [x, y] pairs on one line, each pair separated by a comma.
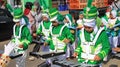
[[31, 58], [42, 59], [68, 58]]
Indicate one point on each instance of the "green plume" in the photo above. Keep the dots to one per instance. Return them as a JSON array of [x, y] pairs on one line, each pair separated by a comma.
[[9, 7], [45, 4], [89, 3]]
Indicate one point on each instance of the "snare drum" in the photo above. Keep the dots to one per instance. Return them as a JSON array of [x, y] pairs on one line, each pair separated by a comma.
[[46, 54]]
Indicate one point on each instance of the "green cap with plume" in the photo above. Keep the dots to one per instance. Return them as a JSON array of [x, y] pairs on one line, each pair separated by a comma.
[[90, 12], [17, 13]]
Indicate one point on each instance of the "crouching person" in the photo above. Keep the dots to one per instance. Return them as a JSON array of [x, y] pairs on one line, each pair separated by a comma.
[[94, 44], [20, 41], [60, 35], [43, 30]]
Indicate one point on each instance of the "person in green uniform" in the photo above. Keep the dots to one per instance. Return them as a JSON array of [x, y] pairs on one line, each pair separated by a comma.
[[94, 44], [80, 20], [43, 29], [60, 35], [106, 17], [20, 41], [21, 37], [68, 21], [113, 30]]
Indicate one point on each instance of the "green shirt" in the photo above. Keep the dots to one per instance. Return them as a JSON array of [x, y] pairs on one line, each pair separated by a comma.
[[102, 40], [66, 34], [46, 25], [25, 38]]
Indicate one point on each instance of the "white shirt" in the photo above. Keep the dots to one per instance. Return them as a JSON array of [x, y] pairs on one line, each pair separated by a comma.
[[79, 22]]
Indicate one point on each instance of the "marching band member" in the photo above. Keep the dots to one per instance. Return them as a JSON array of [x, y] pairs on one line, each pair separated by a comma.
[[94, 44], [20, 41]]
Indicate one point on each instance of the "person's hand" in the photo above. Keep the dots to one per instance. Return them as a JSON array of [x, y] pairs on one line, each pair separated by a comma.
[[79, 27], [45, 44], [66, 41], [34, 35], [102, 25], [97, 58], [21, 46], [117, 49], [72, 31], [75, 54]]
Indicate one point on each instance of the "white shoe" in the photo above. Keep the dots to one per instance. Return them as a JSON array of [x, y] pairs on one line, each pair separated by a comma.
[[42, 59], [31, 58]]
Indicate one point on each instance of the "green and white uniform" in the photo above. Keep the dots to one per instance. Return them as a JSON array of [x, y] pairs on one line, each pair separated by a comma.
[[44, 28], [58, 34], [92, 44], [21, 36]]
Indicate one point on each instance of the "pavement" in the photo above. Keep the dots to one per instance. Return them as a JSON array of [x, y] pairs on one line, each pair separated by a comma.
[[112, 62]]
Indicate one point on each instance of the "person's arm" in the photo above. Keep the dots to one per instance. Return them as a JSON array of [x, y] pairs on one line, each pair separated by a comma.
[[39, 30], [67, 36], [28, 38], [116, 49], [105, 45]]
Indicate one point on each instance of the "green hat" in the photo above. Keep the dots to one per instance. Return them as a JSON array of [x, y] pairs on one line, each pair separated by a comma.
[[17, 13], [53, 12], [90, 12], [69, 18], [56, 16], [60, 19]]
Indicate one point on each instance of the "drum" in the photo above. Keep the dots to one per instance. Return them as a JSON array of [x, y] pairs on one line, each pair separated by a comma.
[[39, 39], [67, 63], [73, 63], [117, 56], [46, 54]]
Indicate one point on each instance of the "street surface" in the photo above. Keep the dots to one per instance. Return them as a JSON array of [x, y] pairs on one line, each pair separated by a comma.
[[111, 63]]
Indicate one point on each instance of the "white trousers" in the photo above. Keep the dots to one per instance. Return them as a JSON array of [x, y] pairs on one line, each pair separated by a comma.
[[20, 61]]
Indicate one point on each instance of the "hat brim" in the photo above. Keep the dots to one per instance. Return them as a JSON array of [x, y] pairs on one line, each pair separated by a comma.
[[53, 19], [45, 15], [16, 20], [88, 20]]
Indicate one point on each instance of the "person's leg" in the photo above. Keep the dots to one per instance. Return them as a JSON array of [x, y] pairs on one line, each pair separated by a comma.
[[35, 49], [68, 51], [119, 39], [72, 48], [20, 61], [115, 41]]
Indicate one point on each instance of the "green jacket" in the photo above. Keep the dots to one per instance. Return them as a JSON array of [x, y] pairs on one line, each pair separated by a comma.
[[100, 48], [46, 25], [65, 33], [25, 37]]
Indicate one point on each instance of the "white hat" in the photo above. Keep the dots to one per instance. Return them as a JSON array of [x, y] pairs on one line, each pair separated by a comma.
[[114, 13], [89, 22], [16, 20], [45, 14]]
